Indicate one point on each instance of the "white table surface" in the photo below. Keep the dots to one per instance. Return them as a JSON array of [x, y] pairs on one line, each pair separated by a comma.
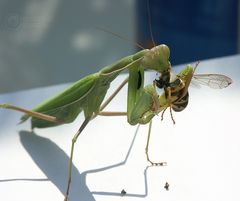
[[202, 149]]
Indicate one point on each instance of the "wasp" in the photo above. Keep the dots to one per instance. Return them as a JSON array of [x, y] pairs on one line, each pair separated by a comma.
[[176, 96]]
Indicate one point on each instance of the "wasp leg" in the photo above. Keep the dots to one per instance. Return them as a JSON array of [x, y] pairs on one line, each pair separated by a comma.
[[169, 104]]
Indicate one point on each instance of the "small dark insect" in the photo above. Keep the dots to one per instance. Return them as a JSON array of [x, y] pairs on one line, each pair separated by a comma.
[[123, 192], [166, 186]]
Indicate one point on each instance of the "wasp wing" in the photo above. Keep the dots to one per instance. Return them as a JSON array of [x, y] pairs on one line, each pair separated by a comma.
[[215, 81]]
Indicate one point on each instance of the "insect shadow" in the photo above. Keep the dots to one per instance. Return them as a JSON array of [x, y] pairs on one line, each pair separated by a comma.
[[53, 162]]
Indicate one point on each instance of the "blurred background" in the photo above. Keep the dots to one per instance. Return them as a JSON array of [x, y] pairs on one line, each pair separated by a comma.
[[49, 42]]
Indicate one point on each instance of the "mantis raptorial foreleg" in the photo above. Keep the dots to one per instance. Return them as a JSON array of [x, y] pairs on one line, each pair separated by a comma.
[[148, 139]]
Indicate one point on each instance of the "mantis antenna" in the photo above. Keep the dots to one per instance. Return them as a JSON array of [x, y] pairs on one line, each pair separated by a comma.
[[150, 23], [121, 37]]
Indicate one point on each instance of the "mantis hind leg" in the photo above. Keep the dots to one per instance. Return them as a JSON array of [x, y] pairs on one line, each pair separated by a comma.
[[101, 113], [114, 94], [147, 146], [84, 124]]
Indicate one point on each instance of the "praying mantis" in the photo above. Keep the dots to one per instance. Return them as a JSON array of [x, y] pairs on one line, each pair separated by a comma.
[[143, 102]]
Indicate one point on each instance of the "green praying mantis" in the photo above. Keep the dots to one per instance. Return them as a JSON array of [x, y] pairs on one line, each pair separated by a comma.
[[143, 102]]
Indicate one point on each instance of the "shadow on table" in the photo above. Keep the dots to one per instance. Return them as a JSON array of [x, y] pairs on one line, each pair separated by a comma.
[[53, 161]]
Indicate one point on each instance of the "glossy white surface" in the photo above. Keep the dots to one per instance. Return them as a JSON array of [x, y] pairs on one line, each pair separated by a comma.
[[202, 149]]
